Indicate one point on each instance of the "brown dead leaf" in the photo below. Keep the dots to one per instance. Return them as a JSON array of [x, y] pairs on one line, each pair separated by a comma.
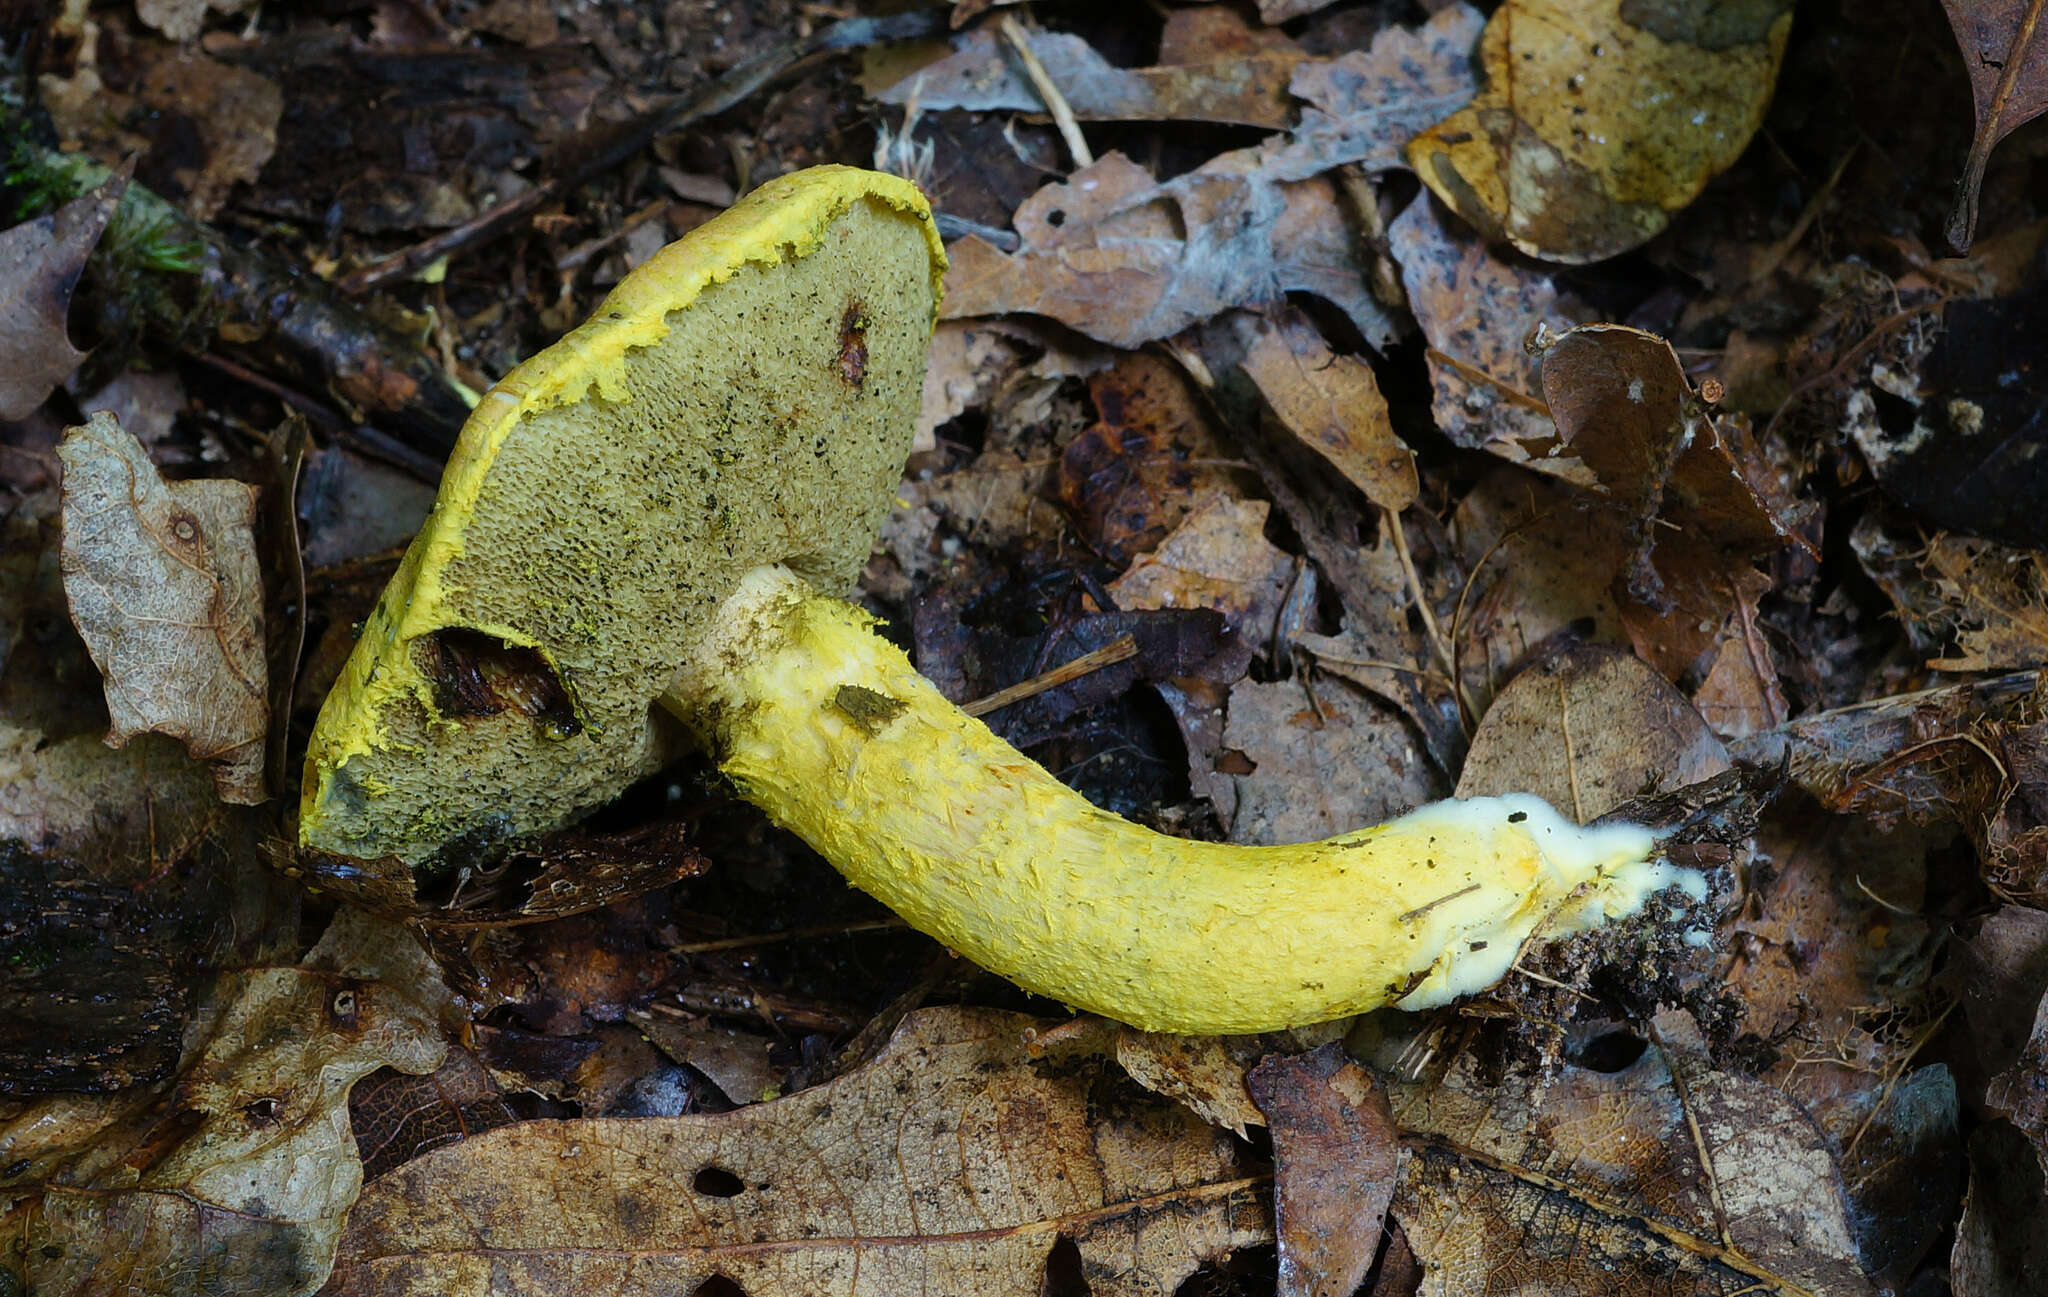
[[164, 586], [1477, 308], [1323, 761], [1126, 260], [1543, 561], [1658, 1176], [1206, 1074], [1335, 1160], [1129, 478], [984, 75], [1331, 402], [1599, 120], [2005, 55], [233, 112], [40, 261], [951, 1163], [1586, 730], [237, 1178], [1218, 557]]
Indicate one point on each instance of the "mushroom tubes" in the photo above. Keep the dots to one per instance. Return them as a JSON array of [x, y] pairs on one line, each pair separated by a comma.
[[651, 518]]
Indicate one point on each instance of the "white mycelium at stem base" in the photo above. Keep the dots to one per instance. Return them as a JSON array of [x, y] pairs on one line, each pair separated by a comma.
[[828, 728]]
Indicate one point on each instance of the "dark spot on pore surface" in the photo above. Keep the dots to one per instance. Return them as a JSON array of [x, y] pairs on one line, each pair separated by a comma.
[[476, 675], [853, 344]]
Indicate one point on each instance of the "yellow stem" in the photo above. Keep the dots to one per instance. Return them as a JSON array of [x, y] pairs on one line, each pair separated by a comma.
[[828, 728]]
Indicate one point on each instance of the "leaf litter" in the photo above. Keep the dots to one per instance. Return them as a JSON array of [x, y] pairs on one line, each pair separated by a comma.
[[1181, 406]]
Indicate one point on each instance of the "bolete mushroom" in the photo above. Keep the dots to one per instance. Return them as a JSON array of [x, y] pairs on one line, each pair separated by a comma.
[[647, 512]]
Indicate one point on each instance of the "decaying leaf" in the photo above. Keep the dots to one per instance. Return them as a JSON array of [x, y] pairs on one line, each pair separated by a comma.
[[2005, 54], [40, 261], [233, 111], [951, 1163], [1587, 730], [181, 19], [1996, 601], [164, 586], [1335, 1161], [1599, 120], [1653, 1175], [235, 1178], [1477, 308]]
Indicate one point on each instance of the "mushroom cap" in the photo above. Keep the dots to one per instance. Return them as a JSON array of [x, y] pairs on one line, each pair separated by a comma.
[[747, 396]]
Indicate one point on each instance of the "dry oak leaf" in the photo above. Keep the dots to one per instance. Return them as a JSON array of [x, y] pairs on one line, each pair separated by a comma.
[[1662, 1177], [1324, 755], [164, 586], [236, 1178], [1218, 557], [1601, 118], [950, 1163], [1332, 403], [1587, 730], [40, 261], [1126, 260]]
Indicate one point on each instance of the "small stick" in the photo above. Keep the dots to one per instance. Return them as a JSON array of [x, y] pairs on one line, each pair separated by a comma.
[[1445, 899], [1055, 102], [1120, 649], [787, 934]]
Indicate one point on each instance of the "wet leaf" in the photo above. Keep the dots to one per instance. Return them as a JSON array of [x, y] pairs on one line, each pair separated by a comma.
[[164, 586], [1335, 1161], [951, 1163], [228, 115], [1600, 120], [237, 1177], [40, 261], [2006, 58], [181, 19]]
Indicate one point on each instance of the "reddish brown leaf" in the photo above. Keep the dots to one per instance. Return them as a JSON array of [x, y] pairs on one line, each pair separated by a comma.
[[2006, 58], [1335, 1158], [40, 261]]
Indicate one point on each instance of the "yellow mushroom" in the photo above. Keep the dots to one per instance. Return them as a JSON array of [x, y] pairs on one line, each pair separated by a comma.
[[648, 510]]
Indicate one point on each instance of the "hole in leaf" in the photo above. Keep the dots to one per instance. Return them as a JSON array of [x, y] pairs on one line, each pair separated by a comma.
[[1610, 1051], [717, 1182], [718, 1286], [1064, 1275]]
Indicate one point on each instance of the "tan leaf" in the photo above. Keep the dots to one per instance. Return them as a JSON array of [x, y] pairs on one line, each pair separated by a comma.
[[1331, 402], [40, 261], [1321, 761], [233, 110], [164, 586], [181, 19], [1587, 730], [237, 1178], [1661, 1177], [1995, 597], [951, 1163], [1218, 557], [1205, 1074], [1599, 120]]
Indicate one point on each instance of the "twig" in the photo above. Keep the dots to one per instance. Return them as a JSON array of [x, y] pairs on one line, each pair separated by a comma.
[[787, 934], [1435, 634], [1055, 102], [1120, 649]]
